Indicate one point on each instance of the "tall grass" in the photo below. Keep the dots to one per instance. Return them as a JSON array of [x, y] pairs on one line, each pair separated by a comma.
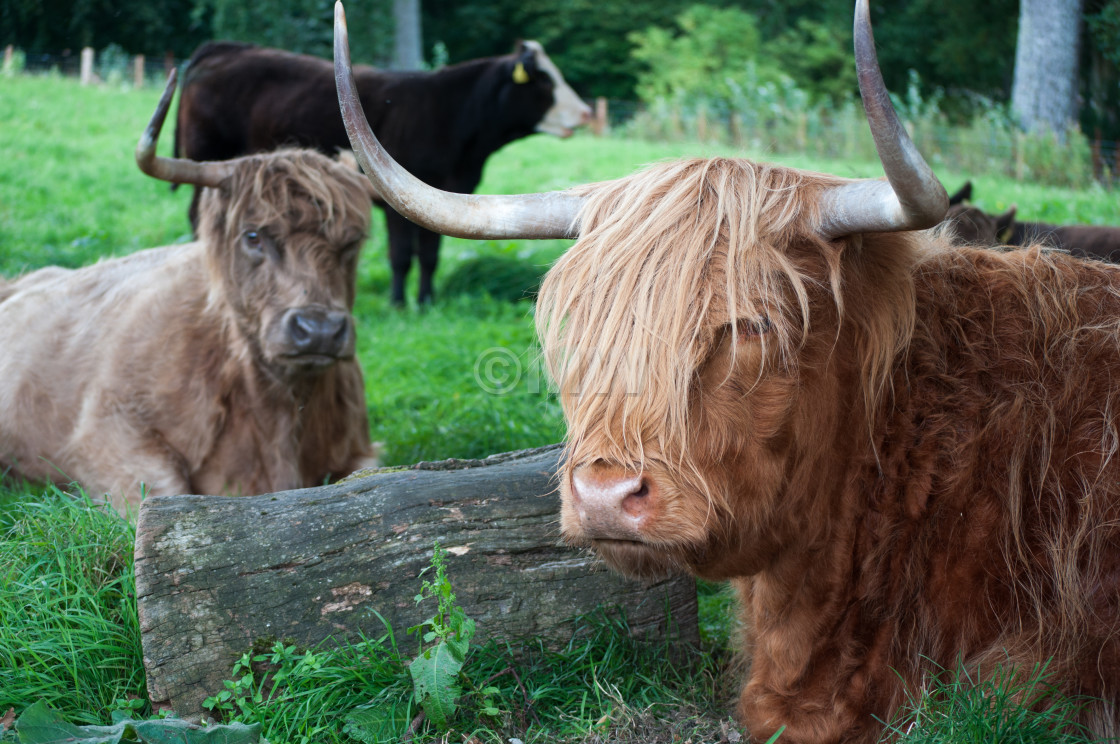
[[779, 117], [1011, 705], [69, 633]]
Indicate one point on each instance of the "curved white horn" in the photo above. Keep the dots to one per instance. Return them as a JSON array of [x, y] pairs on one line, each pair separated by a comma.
[[176, 170], [476, 216], [912, 198]]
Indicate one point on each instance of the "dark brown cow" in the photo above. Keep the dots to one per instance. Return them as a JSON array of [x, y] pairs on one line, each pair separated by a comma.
[[442, 125], [1087, 241], [904, 453], [974, 226], [220, 366]]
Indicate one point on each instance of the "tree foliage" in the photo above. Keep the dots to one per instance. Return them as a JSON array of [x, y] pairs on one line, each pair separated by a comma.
[[586, 38], [818, 57], [305, 26], [1100, 69], [708, 56], [151, 27], [1103, 21], [962, 48]]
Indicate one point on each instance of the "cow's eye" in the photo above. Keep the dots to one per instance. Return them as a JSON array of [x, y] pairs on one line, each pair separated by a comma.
[[349, 253], [253, 243], [747, 328]]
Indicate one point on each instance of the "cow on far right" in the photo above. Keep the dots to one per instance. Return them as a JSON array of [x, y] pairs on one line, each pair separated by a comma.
[[974, 226]]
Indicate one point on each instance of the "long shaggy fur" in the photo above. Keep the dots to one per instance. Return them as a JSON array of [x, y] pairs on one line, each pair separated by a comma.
[[166, 371], [911, 463]]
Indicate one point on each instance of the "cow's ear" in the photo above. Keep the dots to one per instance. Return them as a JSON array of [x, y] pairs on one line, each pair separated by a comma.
[[964, 193], [525, 66], [1004, 223]]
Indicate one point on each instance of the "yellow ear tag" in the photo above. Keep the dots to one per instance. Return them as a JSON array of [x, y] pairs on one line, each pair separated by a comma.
[[519, 75]]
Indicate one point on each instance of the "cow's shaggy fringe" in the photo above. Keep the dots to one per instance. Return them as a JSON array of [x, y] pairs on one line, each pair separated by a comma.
[[292, 190], [671, 257]]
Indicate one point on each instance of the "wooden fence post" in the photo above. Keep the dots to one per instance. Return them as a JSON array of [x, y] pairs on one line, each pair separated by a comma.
[[9, 53], [600, 125], [735, 129], [138, 71], [87, 66]]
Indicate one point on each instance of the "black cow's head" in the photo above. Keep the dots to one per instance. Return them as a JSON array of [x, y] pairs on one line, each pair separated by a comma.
[[537, 86]]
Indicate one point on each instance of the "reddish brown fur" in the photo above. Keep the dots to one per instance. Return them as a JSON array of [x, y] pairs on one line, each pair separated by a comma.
[[915, 466], [166, 370]]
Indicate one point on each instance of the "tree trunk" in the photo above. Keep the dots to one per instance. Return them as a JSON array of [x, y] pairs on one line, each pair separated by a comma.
[[214, 574], [1045, 88], [408, 52]]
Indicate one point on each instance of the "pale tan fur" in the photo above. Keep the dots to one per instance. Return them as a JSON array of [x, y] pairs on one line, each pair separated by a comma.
[[157, 372]]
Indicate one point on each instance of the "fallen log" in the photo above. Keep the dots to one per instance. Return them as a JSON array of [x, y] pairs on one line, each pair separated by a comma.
[[215, 574]]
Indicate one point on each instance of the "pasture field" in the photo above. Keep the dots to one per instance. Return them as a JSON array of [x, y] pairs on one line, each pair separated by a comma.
[[460, 379]]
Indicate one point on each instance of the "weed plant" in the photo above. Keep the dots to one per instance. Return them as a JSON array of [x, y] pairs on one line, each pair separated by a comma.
[[381, 690]]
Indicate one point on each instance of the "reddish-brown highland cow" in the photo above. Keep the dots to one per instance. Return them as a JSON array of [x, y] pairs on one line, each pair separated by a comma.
[[905, 454], [220, 366]]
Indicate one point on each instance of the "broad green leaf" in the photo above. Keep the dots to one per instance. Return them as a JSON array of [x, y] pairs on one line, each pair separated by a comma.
[[435, 675], [377, 725], [39, 724], [457, 648]]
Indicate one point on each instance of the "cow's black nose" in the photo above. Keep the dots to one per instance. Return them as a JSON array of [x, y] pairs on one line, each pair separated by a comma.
[[315, 331]]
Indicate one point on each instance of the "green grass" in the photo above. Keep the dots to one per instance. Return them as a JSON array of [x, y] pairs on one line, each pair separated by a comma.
[[593, 685], [69, 633], [1017, 707], [458, 380]]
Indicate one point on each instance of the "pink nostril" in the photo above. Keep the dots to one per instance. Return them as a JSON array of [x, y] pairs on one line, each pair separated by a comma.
[[637, 501]]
